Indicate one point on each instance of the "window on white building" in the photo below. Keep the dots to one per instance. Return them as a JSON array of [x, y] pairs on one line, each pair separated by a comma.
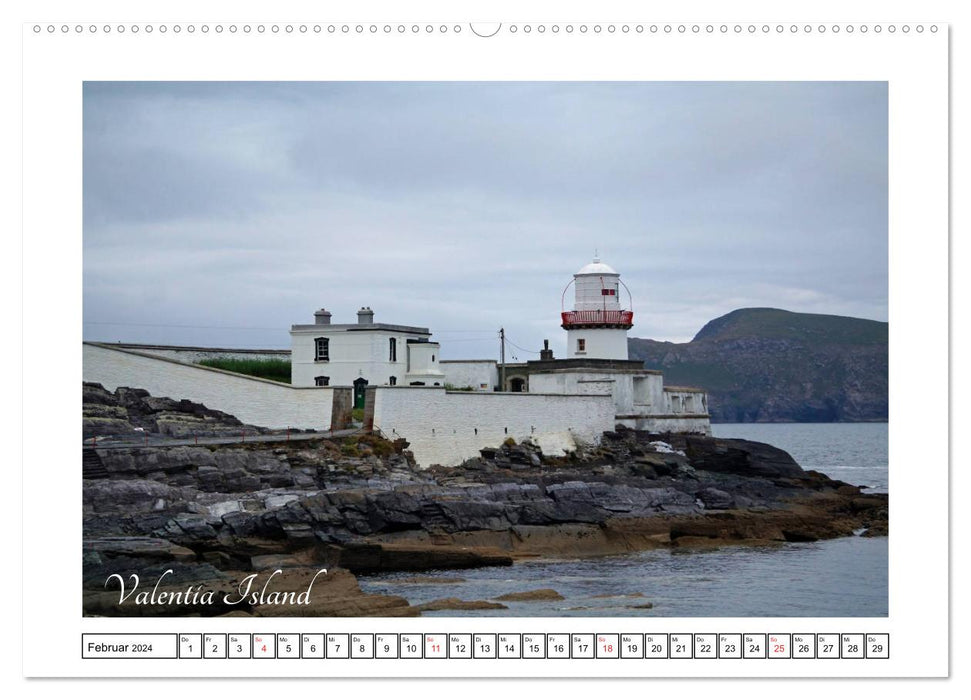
[[393, 350], [322, 349], [581, 345], [322, 381], [393, 381]]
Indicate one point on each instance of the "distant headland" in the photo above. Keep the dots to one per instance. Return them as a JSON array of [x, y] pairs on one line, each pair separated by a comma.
[[774, 366]]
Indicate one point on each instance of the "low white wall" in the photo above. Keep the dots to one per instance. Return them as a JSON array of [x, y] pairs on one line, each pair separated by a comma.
[[699, 424], [648, 393], [449, 427], [254, 401], [619, 385], [194, 354], [473, 373], [683, 401]]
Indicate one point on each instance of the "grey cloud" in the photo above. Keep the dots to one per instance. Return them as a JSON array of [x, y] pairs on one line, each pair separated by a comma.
[[468, 206]]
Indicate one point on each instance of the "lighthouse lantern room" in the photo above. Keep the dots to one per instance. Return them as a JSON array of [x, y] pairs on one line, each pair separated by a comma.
[[597, 326]]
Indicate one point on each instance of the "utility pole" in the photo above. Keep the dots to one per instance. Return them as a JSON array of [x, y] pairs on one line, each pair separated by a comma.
[[502, 359]]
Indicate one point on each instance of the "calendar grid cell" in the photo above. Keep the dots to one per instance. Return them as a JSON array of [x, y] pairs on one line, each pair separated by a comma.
[[510, 646], [878, 646], [386, 646], [214, 646], [264, 646], [288, 646]]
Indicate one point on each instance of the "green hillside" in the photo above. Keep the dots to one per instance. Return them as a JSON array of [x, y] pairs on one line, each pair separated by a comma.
[[777, 323]]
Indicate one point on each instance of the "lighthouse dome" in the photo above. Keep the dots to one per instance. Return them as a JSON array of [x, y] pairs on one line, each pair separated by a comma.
[[596, 268]]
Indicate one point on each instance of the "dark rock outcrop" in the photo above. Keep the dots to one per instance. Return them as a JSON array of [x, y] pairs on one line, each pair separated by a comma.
[[529, 596], [133, 413], [457, 604]]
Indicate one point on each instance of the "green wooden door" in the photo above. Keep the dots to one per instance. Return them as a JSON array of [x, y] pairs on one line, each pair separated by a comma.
[[360, 386]]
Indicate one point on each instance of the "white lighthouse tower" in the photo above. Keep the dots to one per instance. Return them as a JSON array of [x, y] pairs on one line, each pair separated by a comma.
[[597, 326]]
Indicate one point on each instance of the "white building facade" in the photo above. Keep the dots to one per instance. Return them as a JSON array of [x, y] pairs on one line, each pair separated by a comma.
[[362, 354]]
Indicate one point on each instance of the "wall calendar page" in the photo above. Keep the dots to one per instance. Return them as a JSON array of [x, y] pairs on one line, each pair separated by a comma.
[[553, 346]]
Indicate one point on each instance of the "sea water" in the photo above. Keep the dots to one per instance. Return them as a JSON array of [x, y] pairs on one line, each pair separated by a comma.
[[845, 577]]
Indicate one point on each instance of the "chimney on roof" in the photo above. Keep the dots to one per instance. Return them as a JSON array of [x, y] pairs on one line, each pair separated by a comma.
[[546, 353], [322, 317], [365, 316]]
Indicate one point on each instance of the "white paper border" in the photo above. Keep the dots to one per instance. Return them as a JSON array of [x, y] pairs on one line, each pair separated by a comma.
[[914, 64]]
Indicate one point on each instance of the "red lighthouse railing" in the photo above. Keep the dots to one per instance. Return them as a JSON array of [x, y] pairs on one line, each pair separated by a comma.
[[597, 318]]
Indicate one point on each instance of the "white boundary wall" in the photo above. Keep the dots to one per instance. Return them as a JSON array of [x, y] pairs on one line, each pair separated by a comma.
[[448, 427], [194, 354], [254, 401], [697, 424]]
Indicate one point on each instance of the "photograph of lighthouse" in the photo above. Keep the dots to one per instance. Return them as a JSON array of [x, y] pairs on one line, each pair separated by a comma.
[[525, 349]]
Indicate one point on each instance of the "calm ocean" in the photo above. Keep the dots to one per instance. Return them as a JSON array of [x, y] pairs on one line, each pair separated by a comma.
[[846, 577]]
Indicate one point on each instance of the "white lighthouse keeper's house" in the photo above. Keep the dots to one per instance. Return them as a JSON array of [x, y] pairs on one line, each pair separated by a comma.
[[362, 354]]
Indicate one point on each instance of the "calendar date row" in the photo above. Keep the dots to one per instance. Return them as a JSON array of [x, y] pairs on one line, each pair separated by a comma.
[[552, 645]]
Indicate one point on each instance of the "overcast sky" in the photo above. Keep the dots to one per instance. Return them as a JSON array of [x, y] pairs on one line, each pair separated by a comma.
[[220, 213]]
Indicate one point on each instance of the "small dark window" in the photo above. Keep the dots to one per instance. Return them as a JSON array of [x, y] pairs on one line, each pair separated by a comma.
[[393, 381], [322, 349], [393, 350], [418, 384], [322, 381], [608, 292], [581, 345], [433, 358]]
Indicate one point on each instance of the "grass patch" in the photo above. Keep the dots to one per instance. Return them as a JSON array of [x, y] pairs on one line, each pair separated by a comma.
[[276, 370], [367, 444], [378, 445], [357, 414]]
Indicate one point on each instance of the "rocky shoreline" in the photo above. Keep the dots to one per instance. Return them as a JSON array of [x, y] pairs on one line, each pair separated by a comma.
[[214, 517]]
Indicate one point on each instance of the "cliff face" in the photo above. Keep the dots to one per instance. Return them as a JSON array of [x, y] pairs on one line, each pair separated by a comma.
[[770, 365]]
